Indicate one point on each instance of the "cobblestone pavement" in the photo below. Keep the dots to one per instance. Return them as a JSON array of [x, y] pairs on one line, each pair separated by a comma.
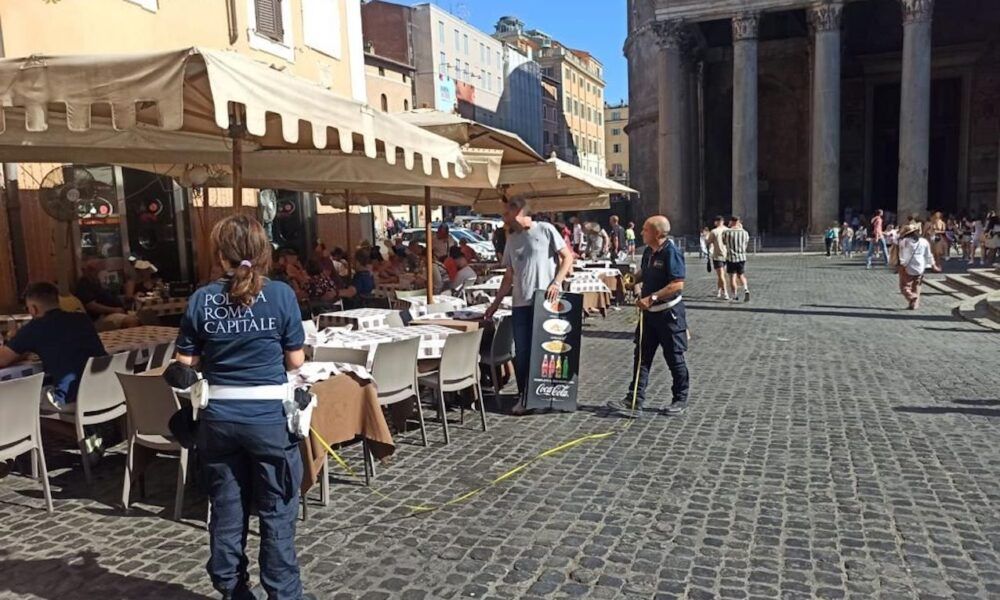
[[837, 446]]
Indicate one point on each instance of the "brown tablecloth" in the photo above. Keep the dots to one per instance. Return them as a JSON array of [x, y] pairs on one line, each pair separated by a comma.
[[617, 287], [599, 301], [348, 408]]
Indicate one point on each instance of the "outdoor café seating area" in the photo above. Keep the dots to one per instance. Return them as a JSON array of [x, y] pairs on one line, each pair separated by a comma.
[[129, 218]]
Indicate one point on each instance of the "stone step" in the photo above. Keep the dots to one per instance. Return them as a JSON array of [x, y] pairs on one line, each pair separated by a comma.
[[993, 304], [979, 311], [942, 286], [987, 277], [967, 284]]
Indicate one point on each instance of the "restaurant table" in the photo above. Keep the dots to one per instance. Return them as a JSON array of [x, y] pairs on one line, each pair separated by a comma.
[[347, 408], [418, 304], [140, 340], [431, 339], [358, 318], [161, 307], [596, 295], [9, 324]]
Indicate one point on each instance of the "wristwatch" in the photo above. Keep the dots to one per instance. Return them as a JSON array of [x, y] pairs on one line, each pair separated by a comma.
[[653, 299]]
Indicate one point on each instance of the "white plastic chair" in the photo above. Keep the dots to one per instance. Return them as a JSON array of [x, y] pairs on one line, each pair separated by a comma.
[[394, 368], [20, 427], [161, 356], [395, 319], [459, 370], [99, 399], [151, 403]]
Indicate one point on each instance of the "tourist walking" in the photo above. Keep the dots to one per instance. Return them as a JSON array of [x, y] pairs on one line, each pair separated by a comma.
[[736, 240], [616, 233], [536, 258], [717, 254], [915, 257], [663, 320], [830, 238], [875, 234], [244, 330], [630, 240], [846, 240]]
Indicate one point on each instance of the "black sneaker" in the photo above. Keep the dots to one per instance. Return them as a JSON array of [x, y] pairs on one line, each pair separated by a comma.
[[625, 406], [675, 409]]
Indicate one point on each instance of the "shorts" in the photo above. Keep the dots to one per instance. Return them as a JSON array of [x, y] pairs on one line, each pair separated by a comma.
[[718, 264], [736, 268]]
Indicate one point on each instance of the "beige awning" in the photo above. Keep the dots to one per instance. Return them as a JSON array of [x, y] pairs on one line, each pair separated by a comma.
[[552, 186], [176, 108], [473, 134]]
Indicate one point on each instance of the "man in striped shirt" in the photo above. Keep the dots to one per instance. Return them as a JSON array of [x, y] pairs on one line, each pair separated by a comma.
[[736, 240]]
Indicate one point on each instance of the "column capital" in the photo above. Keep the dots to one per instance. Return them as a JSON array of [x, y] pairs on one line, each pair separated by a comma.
[[673, 35], [917, 10], [746, 26], [825, 17]]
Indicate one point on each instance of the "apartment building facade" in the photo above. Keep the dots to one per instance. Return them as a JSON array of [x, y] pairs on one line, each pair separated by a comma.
[[616, 141], [580, 76]]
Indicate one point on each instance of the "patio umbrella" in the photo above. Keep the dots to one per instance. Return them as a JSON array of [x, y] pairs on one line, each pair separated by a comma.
[[197, 106]]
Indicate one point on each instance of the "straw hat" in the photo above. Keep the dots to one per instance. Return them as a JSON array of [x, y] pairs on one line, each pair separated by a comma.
[[909, 229]]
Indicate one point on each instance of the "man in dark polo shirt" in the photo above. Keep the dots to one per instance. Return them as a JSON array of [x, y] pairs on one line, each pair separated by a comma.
[[63, 340], [663, 320]]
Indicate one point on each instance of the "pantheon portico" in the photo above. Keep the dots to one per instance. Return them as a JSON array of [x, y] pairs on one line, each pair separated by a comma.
[[792, 112]]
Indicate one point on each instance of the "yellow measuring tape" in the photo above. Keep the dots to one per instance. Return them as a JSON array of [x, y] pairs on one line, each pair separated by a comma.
[[424, 508]]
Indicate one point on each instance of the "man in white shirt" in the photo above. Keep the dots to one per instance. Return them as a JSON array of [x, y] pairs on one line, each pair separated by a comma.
[[577, 235], [915, 257], [536, 258], [717, 253]]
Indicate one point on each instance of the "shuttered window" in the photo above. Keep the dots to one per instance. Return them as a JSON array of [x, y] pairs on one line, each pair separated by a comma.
[[269, 22]]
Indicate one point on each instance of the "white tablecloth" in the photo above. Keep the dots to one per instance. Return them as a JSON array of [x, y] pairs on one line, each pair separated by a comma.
[[314, 372], [162, 307], [358, 318], [580, 286], [138, 339], [419, 303], [431, 339]]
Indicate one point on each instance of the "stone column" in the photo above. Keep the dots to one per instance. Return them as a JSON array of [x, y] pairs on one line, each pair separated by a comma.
[[672, 39], [915, 107], [745, 28], [824, 198]]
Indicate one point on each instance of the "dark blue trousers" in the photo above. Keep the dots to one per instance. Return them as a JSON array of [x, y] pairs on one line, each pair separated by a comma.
[[245, 467], [524, 317], [665, 330]]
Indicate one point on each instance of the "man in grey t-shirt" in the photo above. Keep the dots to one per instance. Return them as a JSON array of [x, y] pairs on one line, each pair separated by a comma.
[[536, 258]]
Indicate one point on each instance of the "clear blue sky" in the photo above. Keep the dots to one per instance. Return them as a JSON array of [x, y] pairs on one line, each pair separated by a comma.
[[597, 26]]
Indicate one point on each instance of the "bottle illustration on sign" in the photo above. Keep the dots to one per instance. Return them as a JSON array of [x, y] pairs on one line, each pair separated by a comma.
[[565, 368], [557, 372]]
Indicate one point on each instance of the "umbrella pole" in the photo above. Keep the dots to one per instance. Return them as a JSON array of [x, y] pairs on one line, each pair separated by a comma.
[[236, 135], [430, 245], [347, 221]]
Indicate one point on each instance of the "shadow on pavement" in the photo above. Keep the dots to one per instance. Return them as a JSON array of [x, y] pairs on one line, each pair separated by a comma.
[[901, 316], [80, 577], [944, 410], [959, 330]]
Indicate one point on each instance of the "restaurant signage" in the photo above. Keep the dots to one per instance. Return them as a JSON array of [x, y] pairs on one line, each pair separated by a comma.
[[553, 377]]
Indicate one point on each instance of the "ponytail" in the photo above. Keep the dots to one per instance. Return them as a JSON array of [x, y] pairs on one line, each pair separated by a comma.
[[245, 284], [241, 243]]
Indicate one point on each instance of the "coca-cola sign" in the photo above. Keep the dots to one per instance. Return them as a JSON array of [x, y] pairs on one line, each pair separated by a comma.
[[552, 391], [555, 352]]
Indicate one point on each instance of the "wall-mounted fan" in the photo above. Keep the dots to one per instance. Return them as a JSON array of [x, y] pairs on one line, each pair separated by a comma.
[[63, 189]]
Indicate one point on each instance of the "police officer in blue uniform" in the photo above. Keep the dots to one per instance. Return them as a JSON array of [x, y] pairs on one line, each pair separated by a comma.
[[663, 322], [243, 331]]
